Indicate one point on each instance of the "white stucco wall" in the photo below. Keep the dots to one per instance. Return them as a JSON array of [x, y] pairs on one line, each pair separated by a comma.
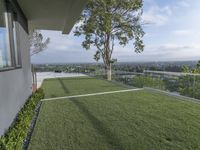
[[15, 85]]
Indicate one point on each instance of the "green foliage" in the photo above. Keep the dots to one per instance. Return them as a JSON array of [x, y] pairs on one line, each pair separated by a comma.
[[2, 145], [190, 86], [185, 69], [17, 133], [185, 85], [198, 65], [106, 22], [143, 81], [171, 84]]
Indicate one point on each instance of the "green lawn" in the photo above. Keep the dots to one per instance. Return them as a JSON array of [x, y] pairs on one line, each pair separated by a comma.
[[132, 120], [74, 86]]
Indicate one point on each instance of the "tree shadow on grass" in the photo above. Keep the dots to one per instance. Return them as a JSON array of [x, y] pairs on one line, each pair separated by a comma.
[[63, 86], [100, 127], [53, 96]]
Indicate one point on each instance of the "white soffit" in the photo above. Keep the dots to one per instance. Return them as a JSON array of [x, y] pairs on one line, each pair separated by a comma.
[[52, 14]]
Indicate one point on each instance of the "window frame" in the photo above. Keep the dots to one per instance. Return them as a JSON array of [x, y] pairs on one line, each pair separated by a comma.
[[13, 48], [6, 52], [17, 49]]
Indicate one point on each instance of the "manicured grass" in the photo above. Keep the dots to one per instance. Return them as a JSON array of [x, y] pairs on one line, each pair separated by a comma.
[[133, 120], [74, 86]]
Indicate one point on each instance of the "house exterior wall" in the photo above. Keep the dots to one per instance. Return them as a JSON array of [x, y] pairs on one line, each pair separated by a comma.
[[15, 85]]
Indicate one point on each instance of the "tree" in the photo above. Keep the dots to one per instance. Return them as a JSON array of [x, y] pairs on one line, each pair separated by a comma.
[[197, 70], [198, 65], [185, 69], [105, 23], [37, 44]]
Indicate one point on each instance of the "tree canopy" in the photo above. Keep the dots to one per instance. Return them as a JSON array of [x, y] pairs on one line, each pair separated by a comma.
[[105, 23]]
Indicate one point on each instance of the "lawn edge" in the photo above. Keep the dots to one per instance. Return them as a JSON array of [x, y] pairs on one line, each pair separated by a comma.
[[32, 126], [180, 97]]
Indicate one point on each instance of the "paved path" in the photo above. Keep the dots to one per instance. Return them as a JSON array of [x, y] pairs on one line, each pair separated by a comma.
[[93, 94], [48, 75]]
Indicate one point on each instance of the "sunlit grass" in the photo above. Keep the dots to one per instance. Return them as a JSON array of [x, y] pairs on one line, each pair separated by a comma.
[[132, 120]]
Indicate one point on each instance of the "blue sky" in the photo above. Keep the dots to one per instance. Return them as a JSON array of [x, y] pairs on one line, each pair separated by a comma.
[[172, 33]]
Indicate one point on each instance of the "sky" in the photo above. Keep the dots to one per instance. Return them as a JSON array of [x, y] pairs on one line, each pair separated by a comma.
[[172, 33]]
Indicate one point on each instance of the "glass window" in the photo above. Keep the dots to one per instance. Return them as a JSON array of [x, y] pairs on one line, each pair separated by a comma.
[[16, 42], [5, 56], [9, 50]]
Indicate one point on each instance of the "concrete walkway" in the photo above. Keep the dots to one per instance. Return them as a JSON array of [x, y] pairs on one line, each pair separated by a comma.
[[41, 76]]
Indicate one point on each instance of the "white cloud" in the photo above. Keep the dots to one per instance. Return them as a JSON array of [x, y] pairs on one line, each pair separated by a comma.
[[157, 15], [164, 52], [183, 3], [60, 42], [175, 48], [173, 51], [182, 32]]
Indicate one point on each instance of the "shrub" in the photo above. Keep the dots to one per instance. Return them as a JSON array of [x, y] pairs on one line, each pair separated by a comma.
[[16, 134], [190, 86], [172, 84], [2, 145], [143, 81]]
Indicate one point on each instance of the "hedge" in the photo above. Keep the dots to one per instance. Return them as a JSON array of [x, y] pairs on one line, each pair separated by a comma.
[[16, 134], [143, 81]]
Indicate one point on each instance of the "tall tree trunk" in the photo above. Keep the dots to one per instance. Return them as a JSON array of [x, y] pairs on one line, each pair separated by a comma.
[[109, 72]]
